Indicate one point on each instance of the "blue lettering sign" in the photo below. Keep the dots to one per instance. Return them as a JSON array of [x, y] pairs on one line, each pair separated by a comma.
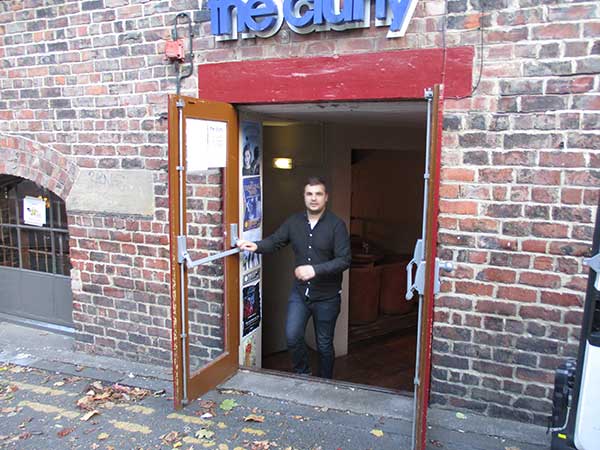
[[263, 18]]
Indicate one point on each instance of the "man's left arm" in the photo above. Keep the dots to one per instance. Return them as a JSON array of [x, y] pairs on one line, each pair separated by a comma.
[[341, 253]]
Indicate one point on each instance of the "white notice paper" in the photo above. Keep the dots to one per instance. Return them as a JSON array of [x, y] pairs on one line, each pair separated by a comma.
[[34, 211], [206, 144]]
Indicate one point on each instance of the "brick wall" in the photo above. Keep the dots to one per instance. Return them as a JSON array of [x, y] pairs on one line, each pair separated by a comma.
[[86, 80], [519, 184]]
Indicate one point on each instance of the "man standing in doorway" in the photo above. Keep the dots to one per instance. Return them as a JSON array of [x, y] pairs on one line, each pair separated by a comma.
[[322, 252]]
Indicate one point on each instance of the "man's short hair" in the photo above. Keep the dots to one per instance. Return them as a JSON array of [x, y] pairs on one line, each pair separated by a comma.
[[316, 181]]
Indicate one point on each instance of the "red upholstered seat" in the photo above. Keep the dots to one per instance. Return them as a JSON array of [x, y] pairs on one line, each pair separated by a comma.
[[364, 294], [392, 293]]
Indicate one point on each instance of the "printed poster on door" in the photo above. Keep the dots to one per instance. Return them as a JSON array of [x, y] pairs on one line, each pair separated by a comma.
[[252, 203], [251, 308], [251, 148]]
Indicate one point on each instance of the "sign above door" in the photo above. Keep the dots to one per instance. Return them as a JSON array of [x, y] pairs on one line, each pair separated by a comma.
[[231, 19]]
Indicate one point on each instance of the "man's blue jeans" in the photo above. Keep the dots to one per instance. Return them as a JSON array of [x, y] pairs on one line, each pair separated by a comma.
[[324, 314]]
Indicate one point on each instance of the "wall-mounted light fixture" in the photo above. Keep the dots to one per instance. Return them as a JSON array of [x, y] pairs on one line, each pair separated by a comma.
[[283, 163]]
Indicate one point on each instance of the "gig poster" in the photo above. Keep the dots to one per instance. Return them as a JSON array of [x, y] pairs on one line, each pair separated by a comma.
[[252, 203], [251, 217], [249, 351], [251, 308]]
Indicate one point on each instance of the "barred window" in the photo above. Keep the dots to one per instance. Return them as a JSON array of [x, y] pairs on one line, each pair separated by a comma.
[[42, 247]]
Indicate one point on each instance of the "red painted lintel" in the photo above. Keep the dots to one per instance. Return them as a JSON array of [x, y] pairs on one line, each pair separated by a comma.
[[402, 74]]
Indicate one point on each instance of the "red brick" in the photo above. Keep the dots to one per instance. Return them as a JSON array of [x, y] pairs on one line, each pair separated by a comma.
[[496, 307], [571, 196], [539, 279], [454, 174], [458, 207], [496, 175], [498, 275], [534, 246], [538, 312], [550, 230], [543, 263], [477, 289], [562, 159], [561, 299], [544, 194], [591, 197], [479, 225], [556, 31], [516, 293], [570, 248], [499, 193], [447, 223]]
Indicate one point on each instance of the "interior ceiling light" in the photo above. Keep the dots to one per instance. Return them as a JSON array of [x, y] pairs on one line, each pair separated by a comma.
[[283, 163]]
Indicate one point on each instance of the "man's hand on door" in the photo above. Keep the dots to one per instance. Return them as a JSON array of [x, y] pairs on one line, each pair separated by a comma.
[[246, 245]]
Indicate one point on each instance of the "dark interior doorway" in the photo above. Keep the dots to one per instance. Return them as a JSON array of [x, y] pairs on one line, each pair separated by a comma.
[[373, 155]]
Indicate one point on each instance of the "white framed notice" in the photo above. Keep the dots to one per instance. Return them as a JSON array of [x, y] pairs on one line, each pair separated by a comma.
[[206, 144], [34, 211]]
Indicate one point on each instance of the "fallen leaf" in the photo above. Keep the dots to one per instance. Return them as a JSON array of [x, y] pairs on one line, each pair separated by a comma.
[[254, 418], [64, 432], [170, 437], [25, 435], [103, 436], [253, 431], [204, 434], [228, 404], [376, 432], [88, 415]]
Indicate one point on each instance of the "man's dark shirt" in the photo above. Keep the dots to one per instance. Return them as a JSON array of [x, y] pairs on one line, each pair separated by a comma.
[[326, 247]]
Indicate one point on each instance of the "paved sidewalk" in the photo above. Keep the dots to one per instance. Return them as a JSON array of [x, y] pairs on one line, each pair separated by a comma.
[[298, 413]]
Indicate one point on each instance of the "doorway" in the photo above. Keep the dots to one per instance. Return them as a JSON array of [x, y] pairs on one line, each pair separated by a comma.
[[35, 267], [372, 155]]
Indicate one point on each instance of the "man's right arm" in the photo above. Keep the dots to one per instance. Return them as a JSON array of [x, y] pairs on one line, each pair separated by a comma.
[[279, 239]]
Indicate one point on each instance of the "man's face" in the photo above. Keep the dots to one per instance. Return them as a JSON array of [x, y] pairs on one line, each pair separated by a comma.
[[247, 158], [315, 198]]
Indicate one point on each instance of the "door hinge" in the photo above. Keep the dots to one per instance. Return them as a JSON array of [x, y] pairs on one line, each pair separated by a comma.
[[418, 260]]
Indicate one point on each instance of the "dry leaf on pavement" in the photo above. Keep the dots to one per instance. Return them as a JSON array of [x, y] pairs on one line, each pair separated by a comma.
[[88, 415], [170, 437], [64, 432], [376, 432], [203, 433], [254, 418], [103, 436]]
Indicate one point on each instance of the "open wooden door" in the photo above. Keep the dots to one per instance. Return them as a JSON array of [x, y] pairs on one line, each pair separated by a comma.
[[204, 217], [426, 283]]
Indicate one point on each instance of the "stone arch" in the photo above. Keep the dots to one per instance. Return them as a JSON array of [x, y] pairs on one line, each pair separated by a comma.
[[37, 162]]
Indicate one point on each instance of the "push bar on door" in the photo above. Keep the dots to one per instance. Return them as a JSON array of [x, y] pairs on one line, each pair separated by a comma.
[[183, 255]]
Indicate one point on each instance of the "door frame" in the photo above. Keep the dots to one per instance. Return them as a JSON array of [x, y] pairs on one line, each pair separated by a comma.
[[384, 76]]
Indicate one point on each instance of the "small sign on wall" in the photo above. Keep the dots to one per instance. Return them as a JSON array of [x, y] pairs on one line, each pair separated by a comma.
[[34, 211]]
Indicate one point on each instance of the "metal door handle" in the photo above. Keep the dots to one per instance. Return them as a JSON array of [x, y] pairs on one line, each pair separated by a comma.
[[183, 255]]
